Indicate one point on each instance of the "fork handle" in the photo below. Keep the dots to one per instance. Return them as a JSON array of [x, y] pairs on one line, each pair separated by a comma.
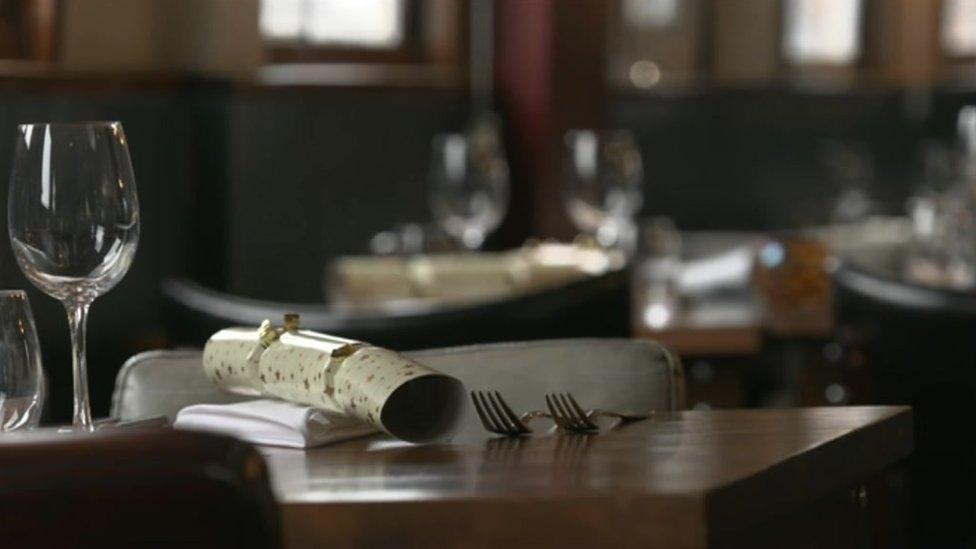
[[528, 416], [618, 415]]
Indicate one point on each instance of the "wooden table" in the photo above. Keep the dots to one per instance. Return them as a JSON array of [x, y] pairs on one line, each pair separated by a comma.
[[691, 479]]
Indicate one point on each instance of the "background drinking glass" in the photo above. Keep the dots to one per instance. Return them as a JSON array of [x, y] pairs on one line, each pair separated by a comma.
[[21, 375], [74, 222], [468, 186], [943, 213], [657, 271], [850, 173], [603, 191]]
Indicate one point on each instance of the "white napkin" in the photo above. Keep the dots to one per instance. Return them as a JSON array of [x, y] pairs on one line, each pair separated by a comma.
[[271, 422], [730, 269]]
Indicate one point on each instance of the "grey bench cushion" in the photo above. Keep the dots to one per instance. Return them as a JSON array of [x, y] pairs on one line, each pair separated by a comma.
[[601, 373]]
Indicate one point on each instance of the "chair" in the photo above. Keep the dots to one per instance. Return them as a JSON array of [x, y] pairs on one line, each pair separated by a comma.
[[134, 487], [601, 373], [595, 307], [918, 345]]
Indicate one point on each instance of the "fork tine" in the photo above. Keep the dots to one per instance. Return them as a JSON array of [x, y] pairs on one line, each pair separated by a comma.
[[510, 428], [570, 413], [568, 417], [556, 416], [584, 419], [488, 425], [566, 421], [500, 426], [512, 418], [497, 426]]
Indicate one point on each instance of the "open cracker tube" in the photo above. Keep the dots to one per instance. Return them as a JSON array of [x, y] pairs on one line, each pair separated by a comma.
[[381, 387]]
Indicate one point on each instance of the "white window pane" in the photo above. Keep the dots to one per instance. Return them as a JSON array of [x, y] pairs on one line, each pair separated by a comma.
[[368, 23], [650, 13], [281, 18], [822, 31], [959, 27]]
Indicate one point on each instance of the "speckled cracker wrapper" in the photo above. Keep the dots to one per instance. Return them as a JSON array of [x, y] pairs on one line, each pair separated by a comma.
[[378, 386]]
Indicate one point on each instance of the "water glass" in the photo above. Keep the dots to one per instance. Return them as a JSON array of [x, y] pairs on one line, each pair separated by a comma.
[[656, 273], [21, 375], [850, 171]]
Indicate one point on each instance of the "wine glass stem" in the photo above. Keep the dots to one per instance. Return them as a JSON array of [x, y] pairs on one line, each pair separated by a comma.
[[77, 322]]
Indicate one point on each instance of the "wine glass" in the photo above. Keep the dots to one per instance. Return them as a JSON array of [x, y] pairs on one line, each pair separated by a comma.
[[21, 376], [468, 186], [603, 178], [74, 222]]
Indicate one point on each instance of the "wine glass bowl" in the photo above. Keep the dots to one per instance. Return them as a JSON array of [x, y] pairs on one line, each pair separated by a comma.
[[603, 183], [73, 216], [21, 374], [468, 187]]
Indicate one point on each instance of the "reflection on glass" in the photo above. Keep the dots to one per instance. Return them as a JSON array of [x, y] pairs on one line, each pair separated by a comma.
[[73, 217], [958, 31], [604, 176], [468, 185], [21, 376], [360, 23], [822, 31]]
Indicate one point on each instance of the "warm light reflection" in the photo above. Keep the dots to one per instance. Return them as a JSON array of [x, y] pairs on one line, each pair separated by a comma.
[[645, 74], [657, 315]]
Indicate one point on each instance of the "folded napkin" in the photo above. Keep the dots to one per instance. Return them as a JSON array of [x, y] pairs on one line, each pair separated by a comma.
[[272, 422]]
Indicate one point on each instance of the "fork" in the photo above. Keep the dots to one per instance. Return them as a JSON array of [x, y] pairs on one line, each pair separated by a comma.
[[496, 415], [570, 416]]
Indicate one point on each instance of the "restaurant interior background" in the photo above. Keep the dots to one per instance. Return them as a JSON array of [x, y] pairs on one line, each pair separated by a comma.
[[271, 137]]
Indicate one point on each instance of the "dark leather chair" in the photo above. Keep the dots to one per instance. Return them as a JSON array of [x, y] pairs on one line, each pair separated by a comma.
[[131, 488], [596, 307], [918, 345]]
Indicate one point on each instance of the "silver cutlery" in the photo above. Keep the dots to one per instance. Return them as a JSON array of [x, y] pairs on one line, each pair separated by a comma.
[[497, 416], [570, 416]]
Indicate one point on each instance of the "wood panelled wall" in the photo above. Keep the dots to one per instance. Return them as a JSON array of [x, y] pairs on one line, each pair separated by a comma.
[[563, 66]]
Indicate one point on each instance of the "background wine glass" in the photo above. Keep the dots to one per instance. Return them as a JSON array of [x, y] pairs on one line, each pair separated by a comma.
[[468, 186], [603, 185], [21, 375], [74, 222]]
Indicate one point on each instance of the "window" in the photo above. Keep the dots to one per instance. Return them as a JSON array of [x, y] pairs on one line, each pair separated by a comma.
[[650, 13], [822, 31], [350, 23], [360, 24], [418, 32], [958, 31]]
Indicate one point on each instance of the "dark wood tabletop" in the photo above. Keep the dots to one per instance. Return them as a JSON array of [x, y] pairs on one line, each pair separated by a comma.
[[690, 479]]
